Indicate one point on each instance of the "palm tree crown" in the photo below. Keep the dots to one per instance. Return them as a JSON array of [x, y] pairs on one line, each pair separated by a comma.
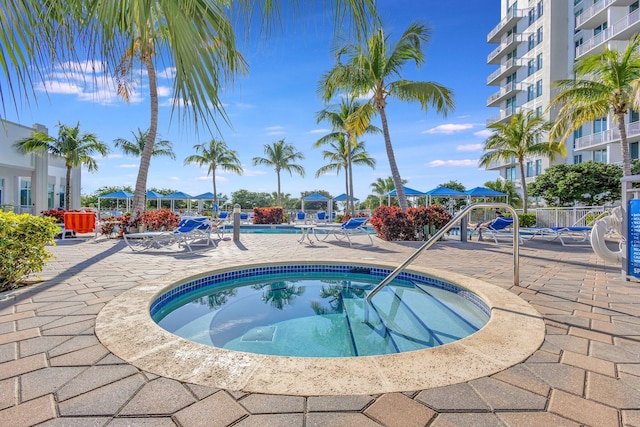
[[370, 70], [216, 154], [605, 83], [281, 156], [517, 139], [75, 148], [136, 146]]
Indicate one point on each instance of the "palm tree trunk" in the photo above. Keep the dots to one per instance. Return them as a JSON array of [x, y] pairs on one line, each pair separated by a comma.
[[67, 189], [351, 199], [346, 181], [279, 198], [145, 158], [624, 146], [395, 174], [525, 201], [215, 190]]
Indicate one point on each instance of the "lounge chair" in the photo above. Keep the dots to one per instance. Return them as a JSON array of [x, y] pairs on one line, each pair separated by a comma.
[[348, 229], [224, 215], [322, 218], [499, 227], [568, 236], [301, 218], [189, 231]]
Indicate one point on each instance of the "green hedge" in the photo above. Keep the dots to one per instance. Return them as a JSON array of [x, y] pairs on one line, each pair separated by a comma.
[[22, 246]]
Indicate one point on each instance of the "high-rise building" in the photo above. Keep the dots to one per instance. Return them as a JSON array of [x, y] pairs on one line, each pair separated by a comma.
[[538, 43]]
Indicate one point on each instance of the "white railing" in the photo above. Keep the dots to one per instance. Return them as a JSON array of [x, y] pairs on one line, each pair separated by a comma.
[[607, 136], [624, 23], [593, 42], [581, 216], [502, 46], [618, 27], [513, 62], [587, 14], [513, 86], [513, 13]]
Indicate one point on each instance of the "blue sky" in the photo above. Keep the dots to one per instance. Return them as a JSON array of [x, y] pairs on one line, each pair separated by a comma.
[[278, 99]]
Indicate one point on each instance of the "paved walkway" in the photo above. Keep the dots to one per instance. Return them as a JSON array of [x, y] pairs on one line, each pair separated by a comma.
[[55, 372]]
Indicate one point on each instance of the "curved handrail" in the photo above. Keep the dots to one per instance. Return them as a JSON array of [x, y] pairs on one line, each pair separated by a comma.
[[447, 227]]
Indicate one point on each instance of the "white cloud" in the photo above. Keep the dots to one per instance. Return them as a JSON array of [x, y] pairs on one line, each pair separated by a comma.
[[274, 128], [470, 147], [449, 128], [242, 105], [276, 133], [164, 90], [320, 131], [463, 163], [129, 166], [174, 178], [485, 133], [114, 156], [252, 172], [167, 73]]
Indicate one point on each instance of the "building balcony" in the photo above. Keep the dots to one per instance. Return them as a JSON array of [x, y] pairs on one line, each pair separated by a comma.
[[506, 92], [513, 16], [609, 136], [499, 164], [594, 45], [507, 45], [594, 15], [622, 2], [507, 68], [505, 115], [627, 26]]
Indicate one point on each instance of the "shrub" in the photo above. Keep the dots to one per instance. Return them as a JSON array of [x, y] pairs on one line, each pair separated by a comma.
[[22, 246], [57, 214], [161, 219], [268, 215], [391, 223], [527, 219]]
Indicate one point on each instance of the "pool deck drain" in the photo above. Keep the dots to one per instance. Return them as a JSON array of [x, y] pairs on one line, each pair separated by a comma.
[[55, 371]]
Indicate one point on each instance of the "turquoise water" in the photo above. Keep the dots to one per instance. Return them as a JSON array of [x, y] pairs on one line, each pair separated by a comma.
[[321, 315]]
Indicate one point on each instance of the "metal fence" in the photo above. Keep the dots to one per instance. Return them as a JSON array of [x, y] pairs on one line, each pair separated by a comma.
[[581, 216]]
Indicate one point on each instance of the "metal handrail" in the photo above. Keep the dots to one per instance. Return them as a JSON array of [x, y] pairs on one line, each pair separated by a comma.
[[447, 227]]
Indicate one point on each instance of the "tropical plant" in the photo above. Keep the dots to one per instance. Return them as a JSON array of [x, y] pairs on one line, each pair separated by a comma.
[[348, 121], [604, 83], [216, 154], [281, 156], [368, 70], [75, 148], [249, 199], [507, 187], [382, 186], [135, 147], [517, 139]]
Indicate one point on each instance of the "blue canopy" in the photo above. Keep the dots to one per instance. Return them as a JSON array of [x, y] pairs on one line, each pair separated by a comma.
[[445, 192], [343, 198], [178, 196], [154, 195], [315, 197], [484, 192], [117, 195], [407, 192], [205, 196]]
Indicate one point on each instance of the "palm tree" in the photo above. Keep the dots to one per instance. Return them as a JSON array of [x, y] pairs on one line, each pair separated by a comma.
[[381, 187], [517, 139], [136, 146], [75, 148], [368, 70], [507, 187], [605, 83], [348, 121], [216, 154], [281, 156]]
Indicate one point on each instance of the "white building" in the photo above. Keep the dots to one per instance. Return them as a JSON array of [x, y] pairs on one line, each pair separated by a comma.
[[538, 42], [30, 183]]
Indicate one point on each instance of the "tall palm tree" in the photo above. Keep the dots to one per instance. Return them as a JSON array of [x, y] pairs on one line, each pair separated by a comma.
[[348, 121], [369, 70], [135, 147], [281, 156], [75, 148], [507, 187], [341, 156], [216, 154], [604, 83], [517, 139]]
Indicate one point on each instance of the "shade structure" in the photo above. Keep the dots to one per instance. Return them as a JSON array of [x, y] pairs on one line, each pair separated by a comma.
[[409, 192], [445, 192], [155, 195], [118, 195], [343, 198], [484, 192], [315, 197], [205, 196], [179, 195]]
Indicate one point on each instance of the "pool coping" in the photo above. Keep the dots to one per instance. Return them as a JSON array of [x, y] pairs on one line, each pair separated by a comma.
[[514, 331]]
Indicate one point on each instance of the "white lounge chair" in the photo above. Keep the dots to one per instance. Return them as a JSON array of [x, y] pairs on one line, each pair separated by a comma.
[[190, 232], [348, 229], [568, 236]]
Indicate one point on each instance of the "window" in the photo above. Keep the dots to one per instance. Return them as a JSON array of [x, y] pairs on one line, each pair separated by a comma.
[[634, 6], [539, 62], [575, 21], [50, 196], [538, 88], [25, 192], [511, 105], [530, 93], [1, 190], [634, 116], [62, 188], [538, 111], [578, 42], [529, 169], [633, 150], [540, 9], [531, 68], [600, 156], [577, 159], [576, 2], [600, 125], [600, 28], [510, 174], [538, 167], [539, 35], [532, 42], [532, 16], [511, 78]]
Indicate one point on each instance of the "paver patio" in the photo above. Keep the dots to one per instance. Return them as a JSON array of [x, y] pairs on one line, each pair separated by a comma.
[[55, 372]]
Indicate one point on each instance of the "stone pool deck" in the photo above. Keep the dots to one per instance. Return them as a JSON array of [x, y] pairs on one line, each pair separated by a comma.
[[55, 372]]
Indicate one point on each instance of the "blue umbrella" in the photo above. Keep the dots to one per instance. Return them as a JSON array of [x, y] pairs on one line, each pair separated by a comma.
[[315, 197], [179, 195], [343, 198], [484, 192], [407, 192], [445, 192]]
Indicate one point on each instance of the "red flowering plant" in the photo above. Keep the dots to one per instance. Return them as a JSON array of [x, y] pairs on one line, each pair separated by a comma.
[[433, 217], [58, 214], [391, 223], [268, 215], [160, 220]]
